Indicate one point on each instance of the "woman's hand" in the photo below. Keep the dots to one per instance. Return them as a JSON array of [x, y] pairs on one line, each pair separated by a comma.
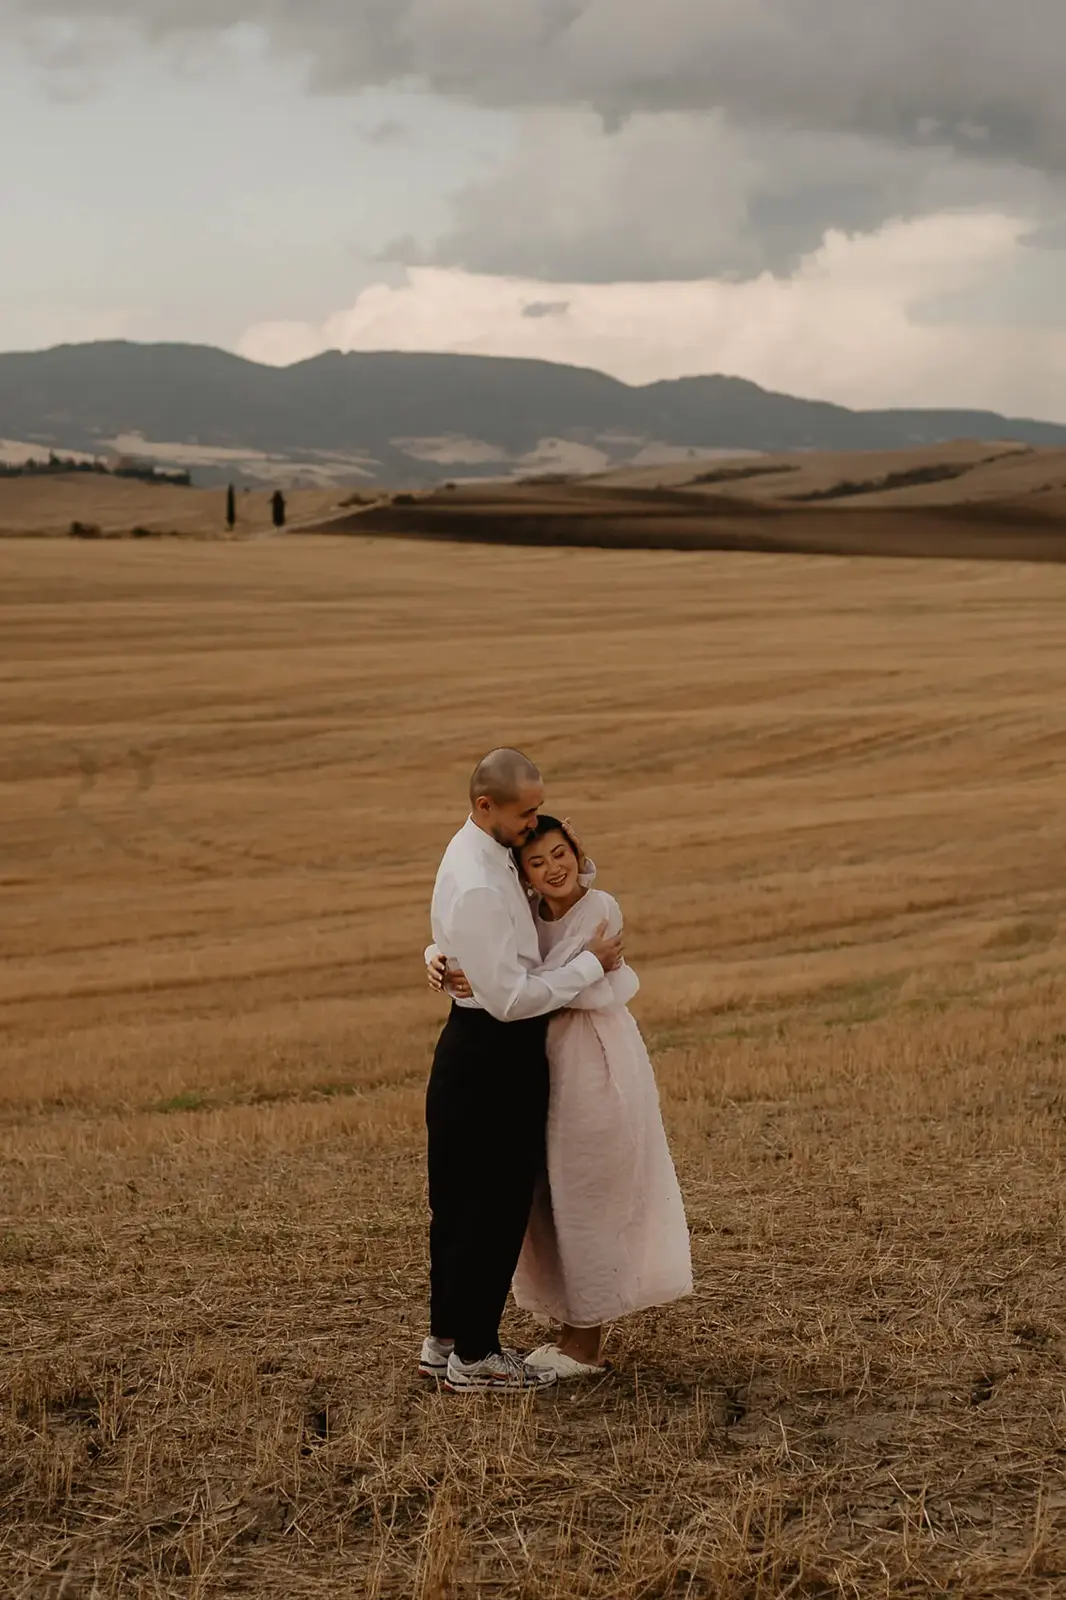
[[441, 981]]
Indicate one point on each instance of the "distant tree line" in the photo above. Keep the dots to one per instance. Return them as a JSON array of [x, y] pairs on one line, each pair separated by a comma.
[[143, 471]]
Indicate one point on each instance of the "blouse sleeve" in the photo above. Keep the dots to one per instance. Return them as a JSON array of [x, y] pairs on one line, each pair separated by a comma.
[[615, 988]]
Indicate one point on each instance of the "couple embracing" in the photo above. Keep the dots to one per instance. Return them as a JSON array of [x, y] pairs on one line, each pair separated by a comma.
[[549, 1170]]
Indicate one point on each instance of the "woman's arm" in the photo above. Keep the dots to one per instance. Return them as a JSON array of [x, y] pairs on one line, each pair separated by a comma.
[[616, 988], [455, 983]]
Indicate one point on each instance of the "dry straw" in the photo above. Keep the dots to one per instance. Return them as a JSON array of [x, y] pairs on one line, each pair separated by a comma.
[[829, 798]]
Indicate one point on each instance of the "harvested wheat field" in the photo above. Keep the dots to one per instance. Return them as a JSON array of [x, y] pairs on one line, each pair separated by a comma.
[[829, 796], [45, 507], [970, 501]]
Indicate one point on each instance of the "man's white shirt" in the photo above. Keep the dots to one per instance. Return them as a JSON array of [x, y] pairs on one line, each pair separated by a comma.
[[482, 920]]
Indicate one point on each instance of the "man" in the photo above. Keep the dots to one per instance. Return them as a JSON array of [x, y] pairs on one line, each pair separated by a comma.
[[487, 1103]]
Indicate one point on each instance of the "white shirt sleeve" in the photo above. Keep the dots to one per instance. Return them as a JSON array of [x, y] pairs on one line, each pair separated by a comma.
[[615, 988], [481, 940]]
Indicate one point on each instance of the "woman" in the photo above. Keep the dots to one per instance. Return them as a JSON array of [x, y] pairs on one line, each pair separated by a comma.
[[607, 1236]]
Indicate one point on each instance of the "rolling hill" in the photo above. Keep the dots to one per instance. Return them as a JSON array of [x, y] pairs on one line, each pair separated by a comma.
[[417, 419]]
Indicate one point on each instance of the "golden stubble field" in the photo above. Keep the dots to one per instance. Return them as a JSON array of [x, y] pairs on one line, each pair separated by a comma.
[[830, 797]]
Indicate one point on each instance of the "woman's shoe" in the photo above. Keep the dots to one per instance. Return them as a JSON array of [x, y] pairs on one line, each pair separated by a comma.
[[549, 1358]]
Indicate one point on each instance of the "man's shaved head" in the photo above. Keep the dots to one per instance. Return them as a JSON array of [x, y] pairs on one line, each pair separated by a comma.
[[501, 775], [506, 792]]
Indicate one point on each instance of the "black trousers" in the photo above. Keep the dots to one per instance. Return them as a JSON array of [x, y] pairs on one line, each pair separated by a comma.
[[486, 1112]]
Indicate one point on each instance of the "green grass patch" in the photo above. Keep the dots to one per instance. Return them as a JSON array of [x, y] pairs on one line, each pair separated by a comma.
[[190, 1100]]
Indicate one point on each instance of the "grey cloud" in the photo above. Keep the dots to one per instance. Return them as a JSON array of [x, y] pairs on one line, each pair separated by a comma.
[[406, 251], [389, 132], [687, 196], [1051, 235], [73, 58], [546, 308], [980, 72], [684, 138]]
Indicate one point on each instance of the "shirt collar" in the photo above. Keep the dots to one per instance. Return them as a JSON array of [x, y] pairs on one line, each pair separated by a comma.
[[495, 851]]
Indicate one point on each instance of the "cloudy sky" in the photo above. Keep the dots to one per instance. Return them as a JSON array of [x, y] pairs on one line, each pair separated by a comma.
[[863, 200]]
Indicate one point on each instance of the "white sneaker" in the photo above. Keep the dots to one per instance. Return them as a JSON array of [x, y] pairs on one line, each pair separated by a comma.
[[549, 1358], [433, 1362], [499, 1374]]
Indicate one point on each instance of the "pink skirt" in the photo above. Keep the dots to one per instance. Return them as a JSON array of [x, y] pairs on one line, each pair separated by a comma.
[[608, 1235]]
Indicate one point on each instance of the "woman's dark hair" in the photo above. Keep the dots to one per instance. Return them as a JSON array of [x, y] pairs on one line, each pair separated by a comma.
[[546, 825]]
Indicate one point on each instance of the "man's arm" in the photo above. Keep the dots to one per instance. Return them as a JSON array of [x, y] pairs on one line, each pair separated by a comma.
[[615, 988], [481, 939]]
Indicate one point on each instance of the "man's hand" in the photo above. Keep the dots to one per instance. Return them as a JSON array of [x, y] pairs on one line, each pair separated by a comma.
[[457, 985], [441, 981], [608, 949]]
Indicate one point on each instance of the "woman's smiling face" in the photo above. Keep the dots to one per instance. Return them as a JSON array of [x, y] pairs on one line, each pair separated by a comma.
[[550, 866]]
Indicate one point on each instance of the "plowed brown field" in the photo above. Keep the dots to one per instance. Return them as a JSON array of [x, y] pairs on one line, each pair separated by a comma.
[[829, 794]]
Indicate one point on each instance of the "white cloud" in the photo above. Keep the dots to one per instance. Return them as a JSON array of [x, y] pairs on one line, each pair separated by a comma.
[[844, 328]]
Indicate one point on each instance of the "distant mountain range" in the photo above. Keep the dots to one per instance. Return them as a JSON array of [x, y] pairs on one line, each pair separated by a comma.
[[418, 419]]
